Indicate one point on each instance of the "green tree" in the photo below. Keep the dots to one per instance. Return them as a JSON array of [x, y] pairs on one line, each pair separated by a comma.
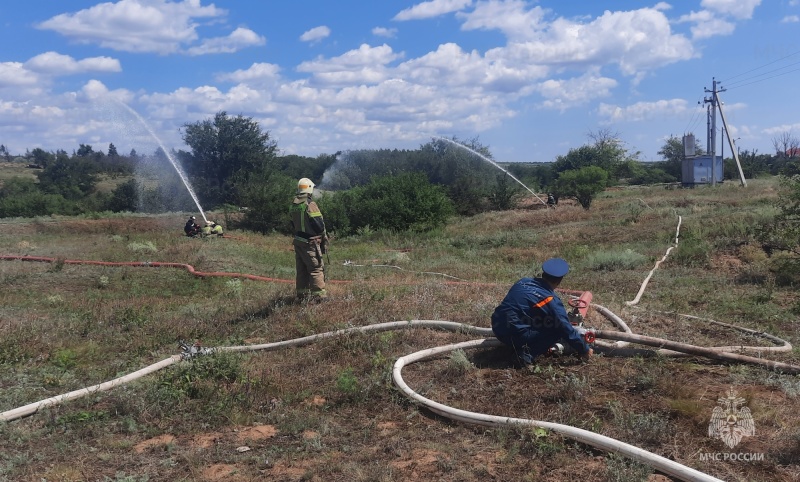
[[300, 166], [84, 150], [125, 197], [267, 195], [112, 150], [583, 184], [468, 194], [606, 152], [21, 197], [399, 203], [224, 151], [41, 157], [504, 195], [72, 178]]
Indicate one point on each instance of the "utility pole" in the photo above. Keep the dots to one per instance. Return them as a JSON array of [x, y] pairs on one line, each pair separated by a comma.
[[712, 135], [712, 129]]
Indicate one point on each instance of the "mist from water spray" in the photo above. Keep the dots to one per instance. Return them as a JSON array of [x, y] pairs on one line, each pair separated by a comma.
[[492, 163], [172, 160]]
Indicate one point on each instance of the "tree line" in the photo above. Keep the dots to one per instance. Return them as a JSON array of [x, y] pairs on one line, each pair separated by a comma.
[[231, 162]]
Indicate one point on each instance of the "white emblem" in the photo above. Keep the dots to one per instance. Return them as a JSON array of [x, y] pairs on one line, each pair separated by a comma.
[[731, 423]]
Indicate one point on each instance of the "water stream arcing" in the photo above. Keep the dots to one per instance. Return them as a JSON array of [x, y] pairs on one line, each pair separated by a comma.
[[172, 160], [492, 163]]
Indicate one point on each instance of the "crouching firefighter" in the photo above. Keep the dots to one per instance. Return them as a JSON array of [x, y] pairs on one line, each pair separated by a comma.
[[310, 243], [532, 318]]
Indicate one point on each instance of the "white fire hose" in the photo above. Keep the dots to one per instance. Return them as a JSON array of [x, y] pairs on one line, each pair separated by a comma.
[[590, 438]]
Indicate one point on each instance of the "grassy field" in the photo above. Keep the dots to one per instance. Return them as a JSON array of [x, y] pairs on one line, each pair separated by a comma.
[[16, 169], [329, 411]]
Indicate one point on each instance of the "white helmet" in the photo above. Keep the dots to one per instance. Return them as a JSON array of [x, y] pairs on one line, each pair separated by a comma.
[[305, 186]]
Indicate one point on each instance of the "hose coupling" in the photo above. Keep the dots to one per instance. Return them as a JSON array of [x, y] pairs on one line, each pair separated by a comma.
[[189, 351]]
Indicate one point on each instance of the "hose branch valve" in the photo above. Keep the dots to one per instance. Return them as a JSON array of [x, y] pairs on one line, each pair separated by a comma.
[[588, 334]]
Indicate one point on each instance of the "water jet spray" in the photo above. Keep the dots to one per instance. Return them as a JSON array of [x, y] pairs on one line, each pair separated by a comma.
[[172, 160], [473, 151]]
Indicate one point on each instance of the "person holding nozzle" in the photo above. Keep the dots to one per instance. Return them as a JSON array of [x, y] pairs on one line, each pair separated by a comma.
[[191, 228], [310, 243], [216, 229], [532, 318]]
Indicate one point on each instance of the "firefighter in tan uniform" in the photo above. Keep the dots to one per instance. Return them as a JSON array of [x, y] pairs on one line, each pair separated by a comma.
[[310, 243]]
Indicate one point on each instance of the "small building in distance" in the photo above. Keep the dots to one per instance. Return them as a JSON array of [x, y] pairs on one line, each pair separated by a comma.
[[699, 170]]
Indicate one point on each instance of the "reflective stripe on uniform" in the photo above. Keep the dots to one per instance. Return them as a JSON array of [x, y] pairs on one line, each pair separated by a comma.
[[302, 208], [543, 302]]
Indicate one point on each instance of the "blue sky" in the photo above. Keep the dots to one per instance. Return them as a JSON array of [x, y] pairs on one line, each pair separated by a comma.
[[528, 79]]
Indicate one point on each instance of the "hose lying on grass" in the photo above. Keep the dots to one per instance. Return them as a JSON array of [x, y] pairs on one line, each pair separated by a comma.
[[600, 441], [622, 338]]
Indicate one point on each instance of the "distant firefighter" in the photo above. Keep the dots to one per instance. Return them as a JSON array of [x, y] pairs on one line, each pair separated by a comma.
[[191, 228], [216, 228]]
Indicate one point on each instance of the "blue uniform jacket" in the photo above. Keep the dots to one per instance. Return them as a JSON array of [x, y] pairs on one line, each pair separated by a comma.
[[533, 315]]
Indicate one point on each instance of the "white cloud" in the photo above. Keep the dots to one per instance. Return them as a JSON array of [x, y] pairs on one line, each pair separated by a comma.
[[430, 9], [564, 94], [315, 34], [739, 9], [510, 17], [237, 40], [636, 40], [155, 26], [782, 129], [790, 19], [366, 64], [256, 74], [715, 18], [384, 32], [15, 74], [707, 24], [641, 111], [53, 63]]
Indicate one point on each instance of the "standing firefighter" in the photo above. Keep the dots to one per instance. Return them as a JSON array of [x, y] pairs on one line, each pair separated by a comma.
[[310, 243], [532, 318]]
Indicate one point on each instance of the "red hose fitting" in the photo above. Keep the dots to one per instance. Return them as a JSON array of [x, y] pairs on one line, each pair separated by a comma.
[[589, 336]]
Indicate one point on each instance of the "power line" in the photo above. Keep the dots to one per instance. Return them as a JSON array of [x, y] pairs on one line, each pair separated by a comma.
[[697, 115], [761, 80], [761, 67], [736, 84]]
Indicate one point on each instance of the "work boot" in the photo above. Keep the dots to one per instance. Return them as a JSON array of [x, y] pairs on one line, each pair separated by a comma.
[[316, 299]]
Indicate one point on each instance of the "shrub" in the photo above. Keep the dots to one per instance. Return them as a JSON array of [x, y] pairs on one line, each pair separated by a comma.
[[583, 184], [267, 195], [782, 233], [399, 203]]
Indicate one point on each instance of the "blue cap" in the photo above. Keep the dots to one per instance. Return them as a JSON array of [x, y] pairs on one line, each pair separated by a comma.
[[555, 267]]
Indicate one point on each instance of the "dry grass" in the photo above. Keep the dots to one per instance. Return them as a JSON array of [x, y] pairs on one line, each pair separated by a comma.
[[329, 411]]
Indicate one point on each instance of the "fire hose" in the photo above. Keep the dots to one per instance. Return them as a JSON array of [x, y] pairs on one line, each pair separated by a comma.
[[590, 438]]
